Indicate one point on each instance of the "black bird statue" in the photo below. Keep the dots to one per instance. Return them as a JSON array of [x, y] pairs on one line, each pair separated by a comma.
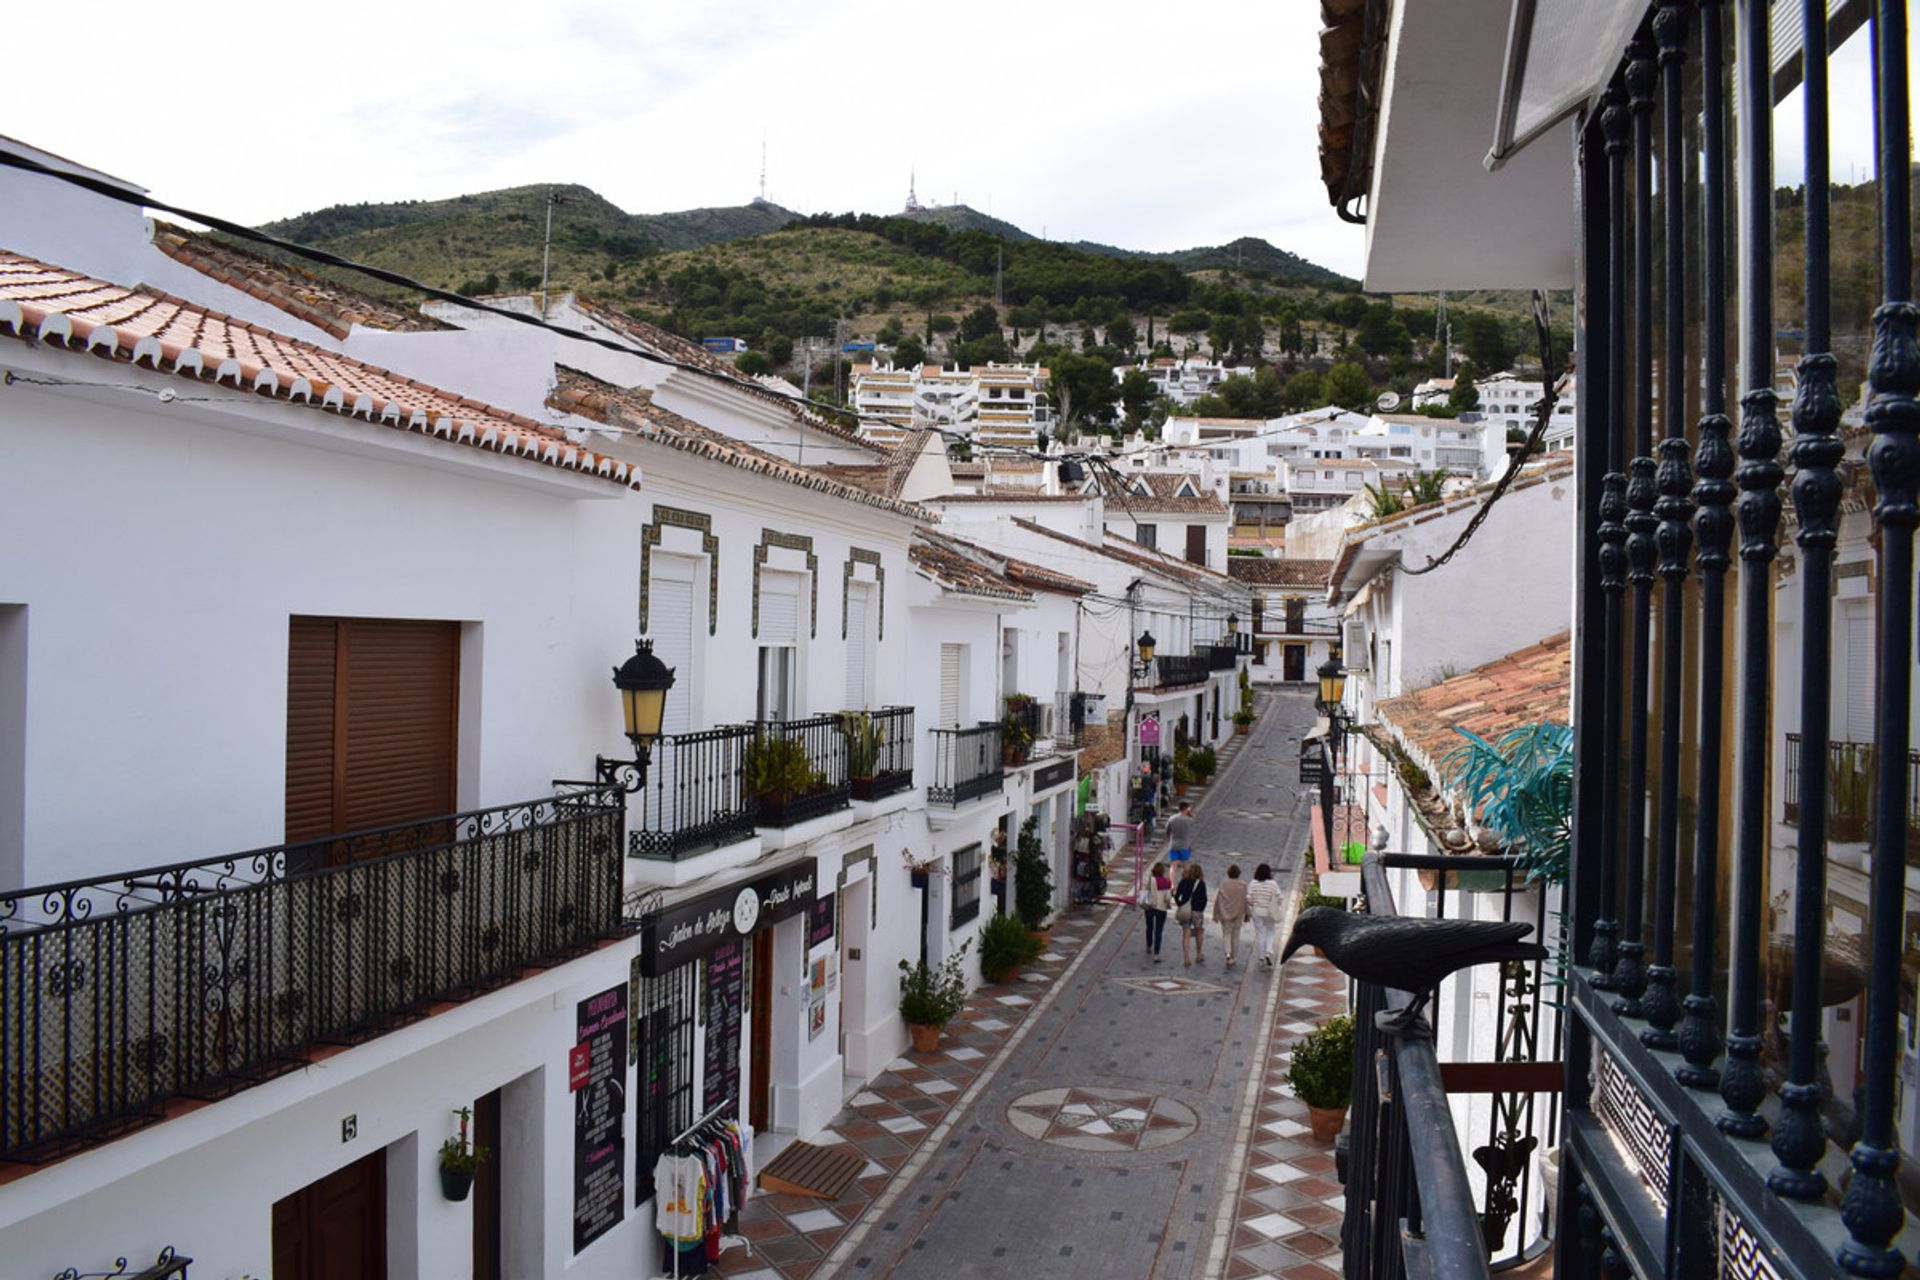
[[1410, 953]]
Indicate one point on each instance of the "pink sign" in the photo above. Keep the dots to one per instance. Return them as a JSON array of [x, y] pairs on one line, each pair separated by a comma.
[[1150, 731]]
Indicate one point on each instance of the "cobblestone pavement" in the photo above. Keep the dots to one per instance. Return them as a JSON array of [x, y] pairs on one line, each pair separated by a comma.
[[1102, 1115]]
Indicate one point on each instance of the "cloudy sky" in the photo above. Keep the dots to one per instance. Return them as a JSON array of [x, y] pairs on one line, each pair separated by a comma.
[[1143, 125]]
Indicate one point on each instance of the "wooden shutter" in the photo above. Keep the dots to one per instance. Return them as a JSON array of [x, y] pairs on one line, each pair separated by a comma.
[[857, 599], [1196, 544], [949, 685], [371, 722], [779, 608], [670, 627], [1859, 704]]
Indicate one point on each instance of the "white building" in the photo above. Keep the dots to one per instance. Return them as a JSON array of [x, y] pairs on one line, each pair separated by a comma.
[[1187, 379], [997, 404], [1294, 629]]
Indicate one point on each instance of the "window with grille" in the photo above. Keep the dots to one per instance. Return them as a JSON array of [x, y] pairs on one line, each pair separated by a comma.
[[966, 885], [663, 1048]]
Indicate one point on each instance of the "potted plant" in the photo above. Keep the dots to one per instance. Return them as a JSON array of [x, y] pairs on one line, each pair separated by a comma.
[[459, 1160], [1320, 1073], [1204, 763], [930, 997], [1006, 945], [1032, 879], [1183, 775], [775, 768], [864, 737], [1016, 735], [1849, 785], [1243, 721]]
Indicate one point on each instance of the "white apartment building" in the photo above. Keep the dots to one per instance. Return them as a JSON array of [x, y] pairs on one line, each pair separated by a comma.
[[996, 404], [1317, 484], [1185, 380]]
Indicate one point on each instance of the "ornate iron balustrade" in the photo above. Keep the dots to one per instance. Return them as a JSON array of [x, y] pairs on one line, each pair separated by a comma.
[[797, 769], [198, 979], [695, 798], [1850, 771], [890, 771], [1736, 1128], [1073, 719], [1408, 1194], [1173, 670], [1221, 657], [966, 764]]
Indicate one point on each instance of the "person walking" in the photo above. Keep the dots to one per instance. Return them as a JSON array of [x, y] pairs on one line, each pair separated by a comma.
[[1190, 913], [1263, 902], [1155, 900], [1180, 834], [1230, 910]]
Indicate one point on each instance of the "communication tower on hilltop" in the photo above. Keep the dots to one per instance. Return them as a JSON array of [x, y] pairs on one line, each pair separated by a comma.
[[913, 201]]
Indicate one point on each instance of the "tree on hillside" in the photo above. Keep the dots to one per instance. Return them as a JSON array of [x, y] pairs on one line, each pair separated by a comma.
[[1137, 395], [1304, 390], [1464, 397], [1485, 340], [1121, 334], [754, 363], [890, 333], [1348, 386], [908, 352], [942, 323], [1190, 320], [780, 349], [1380, 332], [1084, 389], [979, 322]]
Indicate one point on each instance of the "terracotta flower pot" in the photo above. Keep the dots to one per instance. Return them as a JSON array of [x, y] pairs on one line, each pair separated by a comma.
[[925, 1039], [1326, 1122], [1002, 976]]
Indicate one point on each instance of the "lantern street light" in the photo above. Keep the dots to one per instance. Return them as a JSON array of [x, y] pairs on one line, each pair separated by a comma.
[[1145, 646], [643, 681], [1333, 688]]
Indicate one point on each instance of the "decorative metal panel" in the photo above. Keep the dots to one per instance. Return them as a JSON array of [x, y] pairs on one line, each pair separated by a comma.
[[1742, 1256], [1633, 1124]]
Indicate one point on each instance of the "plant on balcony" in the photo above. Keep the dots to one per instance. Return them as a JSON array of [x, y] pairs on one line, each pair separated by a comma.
[[460, 1160], [1522, 788], [1320, 1073], [774, 768], [930, 997], [864, 737], [1006, 945], [1032, 878], [1016, 738], [1849, 784]]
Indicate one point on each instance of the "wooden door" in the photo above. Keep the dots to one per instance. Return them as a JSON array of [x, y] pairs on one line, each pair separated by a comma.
[[372, 706], [760, 1072], [486, 1189], [336, 1228], [1295, 667]]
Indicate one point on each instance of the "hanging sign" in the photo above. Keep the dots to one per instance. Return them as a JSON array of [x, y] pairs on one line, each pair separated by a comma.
[[688, 930], [599, 1110], [726, 985], [1057, 774], [820, 922], [1150, 731]]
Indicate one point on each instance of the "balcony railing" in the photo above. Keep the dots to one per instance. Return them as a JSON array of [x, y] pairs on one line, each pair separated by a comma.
[[797, 769], [198, 979], [1074, 719], [966, 764], [1171, 670], [695, 799], [1221, 657], [1411, 1204], [1850, 792], [879, 751]]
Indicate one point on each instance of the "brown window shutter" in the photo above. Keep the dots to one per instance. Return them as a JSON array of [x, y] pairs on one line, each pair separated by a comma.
[[1196, 544], [310, 717]]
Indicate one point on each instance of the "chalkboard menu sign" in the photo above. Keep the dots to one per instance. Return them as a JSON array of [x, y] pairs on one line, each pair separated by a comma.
[[726, 992], [599, 1104], [820, 921]]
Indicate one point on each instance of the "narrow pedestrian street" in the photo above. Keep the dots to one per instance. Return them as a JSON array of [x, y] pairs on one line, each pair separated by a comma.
[[1103, 1115]]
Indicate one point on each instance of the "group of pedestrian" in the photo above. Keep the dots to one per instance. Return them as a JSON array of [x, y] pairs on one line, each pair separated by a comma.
[[1187, 899]]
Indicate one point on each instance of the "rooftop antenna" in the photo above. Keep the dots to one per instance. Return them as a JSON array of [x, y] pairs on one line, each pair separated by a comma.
[[546, 253], [763, 168], [913, 201], [1443, 334]]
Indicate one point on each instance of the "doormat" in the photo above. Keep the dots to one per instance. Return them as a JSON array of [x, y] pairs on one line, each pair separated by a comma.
[[806, 1170]]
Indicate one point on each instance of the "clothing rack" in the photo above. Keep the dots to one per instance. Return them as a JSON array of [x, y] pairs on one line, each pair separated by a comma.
[[726, 1110]]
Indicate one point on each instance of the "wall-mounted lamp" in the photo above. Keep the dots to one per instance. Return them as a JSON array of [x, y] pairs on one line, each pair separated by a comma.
[[643, 681]]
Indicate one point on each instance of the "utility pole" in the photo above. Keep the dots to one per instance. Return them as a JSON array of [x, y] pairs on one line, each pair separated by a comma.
[[546, 254], [999, 263]]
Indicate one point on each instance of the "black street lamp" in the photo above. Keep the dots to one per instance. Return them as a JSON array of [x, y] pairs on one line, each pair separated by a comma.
[[1333, 684], [1145, 645], [643, 681]]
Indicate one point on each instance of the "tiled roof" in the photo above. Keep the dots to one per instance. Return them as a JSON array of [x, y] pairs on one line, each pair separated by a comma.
[[1164, 496], [635, 411], [944, 559], [1144, 557], [675, 347], [1022, 493], [1278, 571], [324, 304], [78, 313], [1041, 578], [1531, 685]]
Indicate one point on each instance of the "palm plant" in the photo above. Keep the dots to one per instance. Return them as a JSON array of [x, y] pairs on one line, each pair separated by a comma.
[[1386, 500], [1522, 787], [1426, 486]]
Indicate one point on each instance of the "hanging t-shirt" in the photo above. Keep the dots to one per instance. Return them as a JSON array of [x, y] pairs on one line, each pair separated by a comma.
[[679, 1196]]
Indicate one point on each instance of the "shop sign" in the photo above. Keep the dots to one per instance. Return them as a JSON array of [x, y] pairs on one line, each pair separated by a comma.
[[1150, 731], [599, 1116], [1313, 765], [689, 930], [1059, 773], [820, 922]]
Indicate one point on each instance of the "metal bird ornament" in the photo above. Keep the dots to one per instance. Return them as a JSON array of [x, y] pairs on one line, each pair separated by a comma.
[[1409, 953]]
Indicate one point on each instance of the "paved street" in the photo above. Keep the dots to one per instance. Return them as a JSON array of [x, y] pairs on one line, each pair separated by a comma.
[[1105, 1116]]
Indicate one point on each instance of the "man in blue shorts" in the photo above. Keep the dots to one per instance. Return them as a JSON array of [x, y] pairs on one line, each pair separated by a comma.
[[1180, 834]]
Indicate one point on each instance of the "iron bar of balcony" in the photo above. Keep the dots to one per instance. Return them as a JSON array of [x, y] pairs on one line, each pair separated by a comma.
[[201, 978], [1222, 657], [1742, 1085], [879, 751], [1660, 1004], [695, 798], [796, 770], [1174, 670], [1872, 1206], [1629, 973], [1798, 1138], [1713, 527], [966, 764], [1850, 791], [1612, 532]]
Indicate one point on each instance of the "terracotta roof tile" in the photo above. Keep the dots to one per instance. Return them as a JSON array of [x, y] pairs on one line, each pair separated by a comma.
[[1528, 686], [72, 311], [946, 560], [1278, 571], [1164, 495]]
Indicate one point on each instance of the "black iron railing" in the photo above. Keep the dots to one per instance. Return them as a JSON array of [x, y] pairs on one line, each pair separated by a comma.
[[879, 751], [1850, 774], [1172, 670], [1073, 718], [1406, 1180], [966, 764], [797, 769], [198, 979], [694, 799], [1221, 657]]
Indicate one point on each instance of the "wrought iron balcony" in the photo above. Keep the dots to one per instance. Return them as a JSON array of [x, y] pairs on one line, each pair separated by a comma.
[[1172, 670], [1411, 1206], [695, 798], [966, 764], [1850, 777], [198, 979], [1221, 657], [879, 751], [1074, 720], [797, 769]]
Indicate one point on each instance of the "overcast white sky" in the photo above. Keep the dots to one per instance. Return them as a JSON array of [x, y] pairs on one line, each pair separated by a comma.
[[1143, 125]]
